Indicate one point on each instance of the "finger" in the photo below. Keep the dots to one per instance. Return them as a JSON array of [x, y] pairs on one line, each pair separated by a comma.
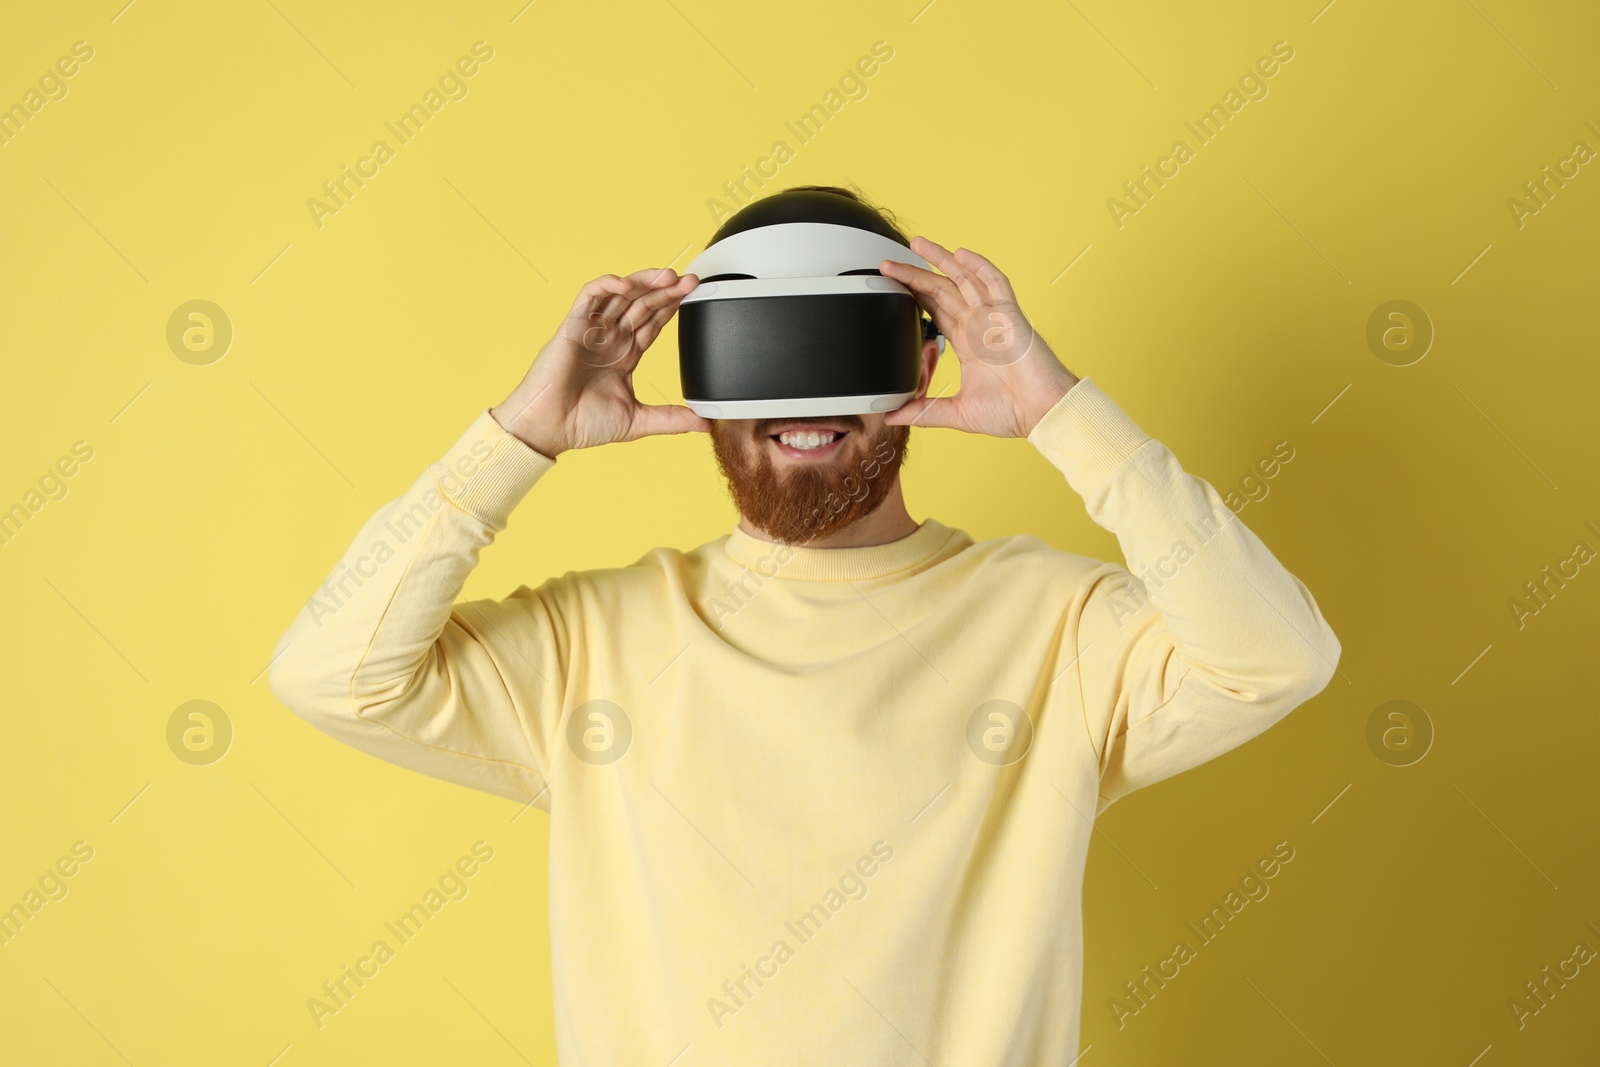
[[943, 321], [606, 283], [612, 298], [614, 305], [596, 289], [655, 276], [644, 309], [647, 331], [597, 301], [937, 290], [998, 285], [644, 304], [652, 419], [945, 260], [939, 411]]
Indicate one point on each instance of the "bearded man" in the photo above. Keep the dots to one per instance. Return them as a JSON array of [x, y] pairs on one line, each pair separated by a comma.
[[821, 791]]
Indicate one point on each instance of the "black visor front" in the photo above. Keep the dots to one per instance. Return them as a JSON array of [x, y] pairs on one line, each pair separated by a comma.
[[788, 347]]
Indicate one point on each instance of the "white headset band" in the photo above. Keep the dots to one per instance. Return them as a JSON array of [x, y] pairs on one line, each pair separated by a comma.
[[827, 285]]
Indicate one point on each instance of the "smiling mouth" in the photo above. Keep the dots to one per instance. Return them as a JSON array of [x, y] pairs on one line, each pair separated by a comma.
[[804, 444]]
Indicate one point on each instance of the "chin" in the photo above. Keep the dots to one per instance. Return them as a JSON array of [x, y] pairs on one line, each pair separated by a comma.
[[802, 481]]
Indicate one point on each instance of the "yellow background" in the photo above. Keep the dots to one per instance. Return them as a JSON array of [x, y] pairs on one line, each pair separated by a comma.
[[1225, 316]]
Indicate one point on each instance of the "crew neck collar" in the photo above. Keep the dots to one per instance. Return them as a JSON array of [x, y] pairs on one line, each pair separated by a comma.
[[774, 559]]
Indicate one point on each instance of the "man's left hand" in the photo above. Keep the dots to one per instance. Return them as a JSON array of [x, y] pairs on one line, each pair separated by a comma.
[[1009, 375]]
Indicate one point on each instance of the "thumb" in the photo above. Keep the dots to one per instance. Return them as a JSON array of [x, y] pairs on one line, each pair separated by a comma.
[[925, 411], [652, 419]]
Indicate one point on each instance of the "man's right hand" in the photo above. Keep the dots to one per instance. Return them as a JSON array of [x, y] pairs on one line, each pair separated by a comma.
[[579, 391]]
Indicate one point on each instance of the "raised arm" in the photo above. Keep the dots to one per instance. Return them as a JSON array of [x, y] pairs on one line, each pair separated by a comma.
[[1217, 641], [1212, 643], [382, 656]]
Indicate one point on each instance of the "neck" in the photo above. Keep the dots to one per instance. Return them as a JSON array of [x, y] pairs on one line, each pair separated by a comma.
[[890, 521]]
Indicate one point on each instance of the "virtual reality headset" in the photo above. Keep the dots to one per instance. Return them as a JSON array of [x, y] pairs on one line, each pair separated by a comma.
[[792, 318]]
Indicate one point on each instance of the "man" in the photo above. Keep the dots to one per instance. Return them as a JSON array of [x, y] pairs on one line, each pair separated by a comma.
[[820, 791]]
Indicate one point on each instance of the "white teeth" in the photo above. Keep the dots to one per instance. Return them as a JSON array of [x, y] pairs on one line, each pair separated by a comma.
[[807, 439]]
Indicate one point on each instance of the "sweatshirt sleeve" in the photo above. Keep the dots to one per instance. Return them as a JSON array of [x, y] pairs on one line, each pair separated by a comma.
[[384, 659], [1211, 644]]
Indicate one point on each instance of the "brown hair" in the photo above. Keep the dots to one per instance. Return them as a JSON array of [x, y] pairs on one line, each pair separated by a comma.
[[855, 194]]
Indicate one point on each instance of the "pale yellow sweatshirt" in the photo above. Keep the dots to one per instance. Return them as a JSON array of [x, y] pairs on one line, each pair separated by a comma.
[[815, 806]]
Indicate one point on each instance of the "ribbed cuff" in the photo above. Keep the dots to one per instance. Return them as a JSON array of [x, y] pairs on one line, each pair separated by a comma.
[[1087, 436], [488, 471]]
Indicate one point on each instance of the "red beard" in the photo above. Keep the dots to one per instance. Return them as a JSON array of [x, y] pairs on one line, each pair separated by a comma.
[[809, 501]]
